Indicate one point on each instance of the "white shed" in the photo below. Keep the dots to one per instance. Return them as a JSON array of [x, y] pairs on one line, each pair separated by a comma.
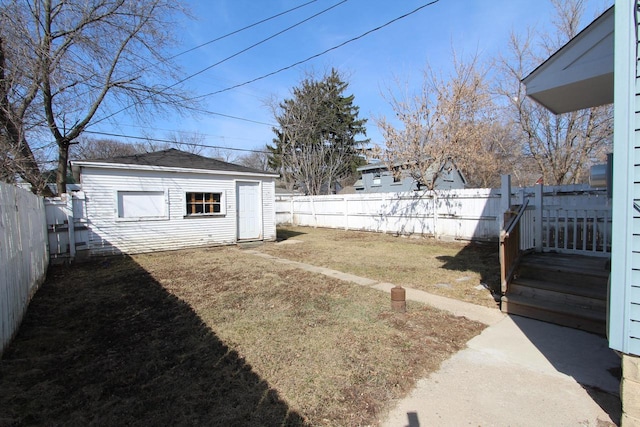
[[172, 199]]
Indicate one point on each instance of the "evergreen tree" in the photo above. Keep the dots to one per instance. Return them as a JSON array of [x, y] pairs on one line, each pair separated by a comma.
[[316, 143]]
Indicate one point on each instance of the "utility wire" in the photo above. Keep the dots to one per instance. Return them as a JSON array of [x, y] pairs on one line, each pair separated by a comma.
[[262, 21], [318, 54], [276, 72], [222, 61], [173, 142], [239, 30], [182, 132], [234, 117]]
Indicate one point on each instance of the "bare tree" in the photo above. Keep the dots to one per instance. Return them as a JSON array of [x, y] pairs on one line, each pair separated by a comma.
[[563, 146], [92, 149], [224, 154], [18, 93], [61, 61], [257, 159], [191, 142], [449, 119]]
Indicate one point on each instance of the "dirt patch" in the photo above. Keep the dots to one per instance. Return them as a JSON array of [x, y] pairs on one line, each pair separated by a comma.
[[461, 270], [215, 337]]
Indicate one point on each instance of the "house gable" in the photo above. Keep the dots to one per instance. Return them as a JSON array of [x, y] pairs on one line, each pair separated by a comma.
[[580, 74], [376, 178]]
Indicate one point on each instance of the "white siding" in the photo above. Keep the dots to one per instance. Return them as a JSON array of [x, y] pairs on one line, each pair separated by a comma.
[[269, 209], [110, 234]]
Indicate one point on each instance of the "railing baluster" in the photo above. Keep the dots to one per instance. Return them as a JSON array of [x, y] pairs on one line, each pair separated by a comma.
[[575, 229], [595, 231], [565, 237], [585, 226], [556, 229]]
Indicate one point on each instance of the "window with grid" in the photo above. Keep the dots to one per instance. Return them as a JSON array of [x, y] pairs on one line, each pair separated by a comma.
[[204, 203]]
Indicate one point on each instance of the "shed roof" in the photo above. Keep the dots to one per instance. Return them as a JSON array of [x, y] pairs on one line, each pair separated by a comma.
[[172, 159], [580, 74]]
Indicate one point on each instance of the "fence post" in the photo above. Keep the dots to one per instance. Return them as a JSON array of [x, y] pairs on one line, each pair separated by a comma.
[[66, 197], [383, 213], [505, 198], [538, 217], [291, 217], [346, 213], [313, 211], [434, 198]]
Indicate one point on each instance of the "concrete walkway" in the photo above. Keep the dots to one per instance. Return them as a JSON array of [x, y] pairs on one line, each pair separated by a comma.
[[517, 372]]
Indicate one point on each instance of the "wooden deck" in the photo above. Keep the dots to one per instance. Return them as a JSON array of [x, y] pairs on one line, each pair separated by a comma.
[[569, 290]]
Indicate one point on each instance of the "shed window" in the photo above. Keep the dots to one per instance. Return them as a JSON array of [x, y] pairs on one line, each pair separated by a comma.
[[142, 205], [204, 204], [377, 180]]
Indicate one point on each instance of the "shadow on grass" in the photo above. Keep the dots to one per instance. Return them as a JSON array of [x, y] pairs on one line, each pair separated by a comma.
[[286, 233], [480, 257], [104, 343]]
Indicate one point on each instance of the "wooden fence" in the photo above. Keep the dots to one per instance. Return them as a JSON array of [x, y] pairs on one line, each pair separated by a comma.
[[24, 256]]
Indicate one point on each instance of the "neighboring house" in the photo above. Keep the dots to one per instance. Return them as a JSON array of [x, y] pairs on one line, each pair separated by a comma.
[[583, 74], [377, 178], [172, 199], [283, 192]]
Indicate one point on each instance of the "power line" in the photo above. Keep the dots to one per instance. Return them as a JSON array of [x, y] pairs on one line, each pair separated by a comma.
[[284, 68], [222, 61], [234, 117], [319, 54], [258, 43], [240, 30], [174, 142], [181, 132], [262, 21]]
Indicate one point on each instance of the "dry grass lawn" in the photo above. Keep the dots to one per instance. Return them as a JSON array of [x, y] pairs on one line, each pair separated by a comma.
[[464, 271], [216, 337]]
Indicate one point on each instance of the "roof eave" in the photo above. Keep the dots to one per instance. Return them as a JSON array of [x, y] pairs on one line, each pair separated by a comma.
[[101, 165], [580, 74]]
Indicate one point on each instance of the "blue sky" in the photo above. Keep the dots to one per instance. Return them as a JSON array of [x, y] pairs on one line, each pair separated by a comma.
[[371, 65]]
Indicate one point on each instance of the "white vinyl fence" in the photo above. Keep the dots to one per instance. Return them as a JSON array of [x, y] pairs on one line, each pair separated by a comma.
[[67, 226], [24, 256], [574, 218], [461, 214]]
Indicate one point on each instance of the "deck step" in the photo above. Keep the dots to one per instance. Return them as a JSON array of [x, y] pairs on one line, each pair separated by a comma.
[[562, 266], [587, 319], [573, 294]]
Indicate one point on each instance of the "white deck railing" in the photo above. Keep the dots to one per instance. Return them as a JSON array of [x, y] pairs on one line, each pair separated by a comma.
[[584, 231]]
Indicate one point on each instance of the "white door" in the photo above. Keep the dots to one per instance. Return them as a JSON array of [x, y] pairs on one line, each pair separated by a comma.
[[249, 211]]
